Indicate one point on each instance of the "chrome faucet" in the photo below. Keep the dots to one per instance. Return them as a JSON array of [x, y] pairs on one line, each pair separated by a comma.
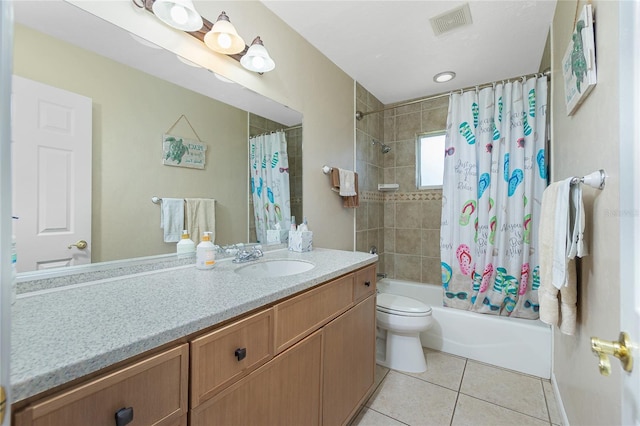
[[247, 256]]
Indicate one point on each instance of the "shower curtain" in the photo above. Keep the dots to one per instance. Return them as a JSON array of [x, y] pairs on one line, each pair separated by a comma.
[[269, 168], [494, 176]]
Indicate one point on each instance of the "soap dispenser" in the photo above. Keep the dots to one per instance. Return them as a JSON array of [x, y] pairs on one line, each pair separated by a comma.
[[205, 253], [185, 247]]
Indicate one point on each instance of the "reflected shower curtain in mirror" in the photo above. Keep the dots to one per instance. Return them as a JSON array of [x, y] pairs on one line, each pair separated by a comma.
[[269, 168], [495, 173]]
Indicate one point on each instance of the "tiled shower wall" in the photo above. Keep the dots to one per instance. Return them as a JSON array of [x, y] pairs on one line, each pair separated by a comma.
[[407, 230], [369, 166], [411, 216], [258, 125]]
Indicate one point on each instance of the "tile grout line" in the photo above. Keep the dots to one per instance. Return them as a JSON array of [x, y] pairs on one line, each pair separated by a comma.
[[506, 408]]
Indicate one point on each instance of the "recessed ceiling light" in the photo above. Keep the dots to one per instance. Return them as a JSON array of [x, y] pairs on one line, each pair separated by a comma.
[[443, 77]]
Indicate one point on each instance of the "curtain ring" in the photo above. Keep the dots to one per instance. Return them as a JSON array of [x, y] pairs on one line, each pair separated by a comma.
[[138, 5], [493, 85]]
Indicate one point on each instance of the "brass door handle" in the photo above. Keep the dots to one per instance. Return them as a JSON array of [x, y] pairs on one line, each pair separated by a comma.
[[621, 349], [82, 244]]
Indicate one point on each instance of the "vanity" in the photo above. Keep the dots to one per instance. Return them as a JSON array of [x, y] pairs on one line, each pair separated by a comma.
[[181, 346]]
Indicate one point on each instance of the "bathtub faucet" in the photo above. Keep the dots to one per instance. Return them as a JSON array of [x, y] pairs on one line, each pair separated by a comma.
[[381, 275]]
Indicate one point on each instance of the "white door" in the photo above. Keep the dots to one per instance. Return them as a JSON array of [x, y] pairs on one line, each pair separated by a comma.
[[630, 202], [51, 148]]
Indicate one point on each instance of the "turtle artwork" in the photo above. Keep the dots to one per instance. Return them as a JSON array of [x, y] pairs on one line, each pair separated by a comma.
[[578, 60], [177, 149]]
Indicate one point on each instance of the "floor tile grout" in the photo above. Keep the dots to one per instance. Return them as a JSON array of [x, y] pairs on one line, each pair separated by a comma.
[[459, 391]]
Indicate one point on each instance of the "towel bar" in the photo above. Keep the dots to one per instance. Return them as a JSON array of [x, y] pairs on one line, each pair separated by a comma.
[[595, 180]]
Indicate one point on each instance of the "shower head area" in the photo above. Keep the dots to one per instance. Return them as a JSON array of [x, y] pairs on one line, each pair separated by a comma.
[[383, 148]]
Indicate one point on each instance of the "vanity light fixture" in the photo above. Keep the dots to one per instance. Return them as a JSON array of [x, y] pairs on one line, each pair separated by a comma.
[[443, 77], [223, 37], [179, 14], [257, 58]]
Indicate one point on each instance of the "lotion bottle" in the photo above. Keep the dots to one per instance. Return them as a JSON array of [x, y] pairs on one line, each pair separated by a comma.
[[185, 247], [205, 253]]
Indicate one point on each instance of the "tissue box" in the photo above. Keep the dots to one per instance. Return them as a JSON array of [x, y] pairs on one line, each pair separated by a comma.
[[277, 236], [300, 241]]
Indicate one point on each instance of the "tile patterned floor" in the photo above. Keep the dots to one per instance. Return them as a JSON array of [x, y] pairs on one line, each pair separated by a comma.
[[458, 391]]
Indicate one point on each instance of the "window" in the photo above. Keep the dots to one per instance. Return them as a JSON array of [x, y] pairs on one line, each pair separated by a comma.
[[430, 160]]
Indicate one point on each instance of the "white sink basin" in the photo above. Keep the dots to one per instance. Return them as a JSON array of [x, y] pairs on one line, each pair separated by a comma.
[[275, 268]]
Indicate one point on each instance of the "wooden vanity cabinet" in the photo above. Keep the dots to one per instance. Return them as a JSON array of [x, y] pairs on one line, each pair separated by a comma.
[[306, 360], [155, 388]]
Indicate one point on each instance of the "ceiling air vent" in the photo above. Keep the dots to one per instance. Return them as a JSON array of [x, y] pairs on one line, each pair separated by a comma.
[[455, 18]]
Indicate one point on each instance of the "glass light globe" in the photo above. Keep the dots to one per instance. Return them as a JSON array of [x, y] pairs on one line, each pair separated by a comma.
[[179, 14], [224, 40], [258, 62]]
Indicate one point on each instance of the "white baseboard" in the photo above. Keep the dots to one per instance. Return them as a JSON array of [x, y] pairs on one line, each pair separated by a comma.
[[556, 393]]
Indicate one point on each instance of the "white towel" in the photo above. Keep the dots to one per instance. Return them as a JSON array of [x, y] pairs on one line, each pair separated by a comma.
[[561, 233], [172, 219], [564, 235], [347, 183], [201, 217], [577, 245], [547, 293]]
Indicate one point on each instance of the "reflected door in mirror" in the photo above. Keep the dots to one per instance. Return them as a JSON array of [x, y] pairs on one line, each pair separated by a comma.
[[51, 149]]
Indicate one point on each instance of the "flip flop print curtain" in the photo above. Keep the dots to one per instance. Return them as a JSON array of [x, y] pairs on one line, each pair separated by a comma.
[[269, 182], [495, 173]]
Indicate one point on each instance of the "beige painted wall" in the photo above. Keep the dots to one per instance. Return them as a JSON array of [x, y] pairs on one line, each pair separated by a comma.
[[582, 143], [304, 79], [131, 111]]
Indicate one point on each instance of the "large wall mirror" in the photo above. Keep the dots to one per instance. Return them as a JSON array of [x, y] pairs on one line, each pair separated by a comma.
[[137, 92]]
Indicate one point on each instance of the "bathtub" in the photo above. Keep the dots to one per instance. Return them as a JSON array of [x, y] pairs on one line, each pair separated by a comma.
[[513, 343]]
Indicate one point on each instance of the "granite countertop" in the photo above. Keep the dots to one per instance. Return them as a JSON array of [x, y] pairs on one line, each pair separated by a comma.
[[64, 333]]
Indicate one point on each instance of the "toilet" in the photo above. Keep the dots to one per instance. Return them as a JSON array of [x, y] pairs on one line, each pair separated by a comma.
[[400, 320]]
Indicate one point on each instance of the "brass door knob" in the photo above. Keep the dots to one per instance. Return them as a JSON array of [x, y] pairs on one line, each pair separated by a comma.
[[621, 349], [82, 244]]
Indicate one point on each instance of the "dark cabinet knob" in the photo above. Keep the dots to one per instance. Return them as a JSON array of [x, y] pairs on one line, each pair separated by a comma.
[[367, 283], [241, 353], [124, 416]]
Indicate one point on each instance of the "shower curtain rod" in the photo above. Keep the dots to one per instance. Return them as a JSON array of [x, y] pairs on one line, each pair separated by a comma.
[[278, 130], [360, 114]]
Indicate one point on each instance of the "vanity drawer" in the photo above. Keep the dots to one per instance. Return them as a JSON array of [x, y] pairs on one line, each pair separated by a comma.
[[365, 283], [224, 355], [301, 315], [156, 389]]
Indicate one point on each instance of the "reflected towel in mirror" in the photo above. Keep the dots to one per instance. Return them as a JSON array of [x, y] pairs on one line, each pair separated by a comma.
[[201, 217], [172, 219]]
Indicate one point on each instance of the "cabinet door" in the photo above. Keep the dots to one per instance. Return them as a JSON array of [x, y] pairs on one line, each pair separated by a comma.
[[349, 362], [156, 389], [299, 316], [284, 391], [365, 283], [223, 356]]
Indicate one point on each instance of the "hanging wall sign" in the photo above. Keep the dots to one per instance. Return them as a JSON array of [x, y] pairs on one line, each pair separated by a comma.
[[181, 152], [579, 62]]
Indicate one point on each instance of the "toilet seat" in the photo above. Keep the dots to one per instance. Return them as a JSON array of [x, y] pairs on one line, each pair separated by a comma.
[[402, 306]]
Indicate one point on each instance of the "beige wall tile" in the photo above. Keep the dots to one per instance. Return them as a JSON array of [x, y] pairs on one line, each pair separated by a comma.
[[406, 178], [390, 214], [361, 241], [406, 153], [434, 120], [388, 267], [408, 241], [431, 213], [373, 215], [362, 216], [390, 240], [408, 125], [431, 272], [389, 124], [408, 267], [431, 242], [408, 214]]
